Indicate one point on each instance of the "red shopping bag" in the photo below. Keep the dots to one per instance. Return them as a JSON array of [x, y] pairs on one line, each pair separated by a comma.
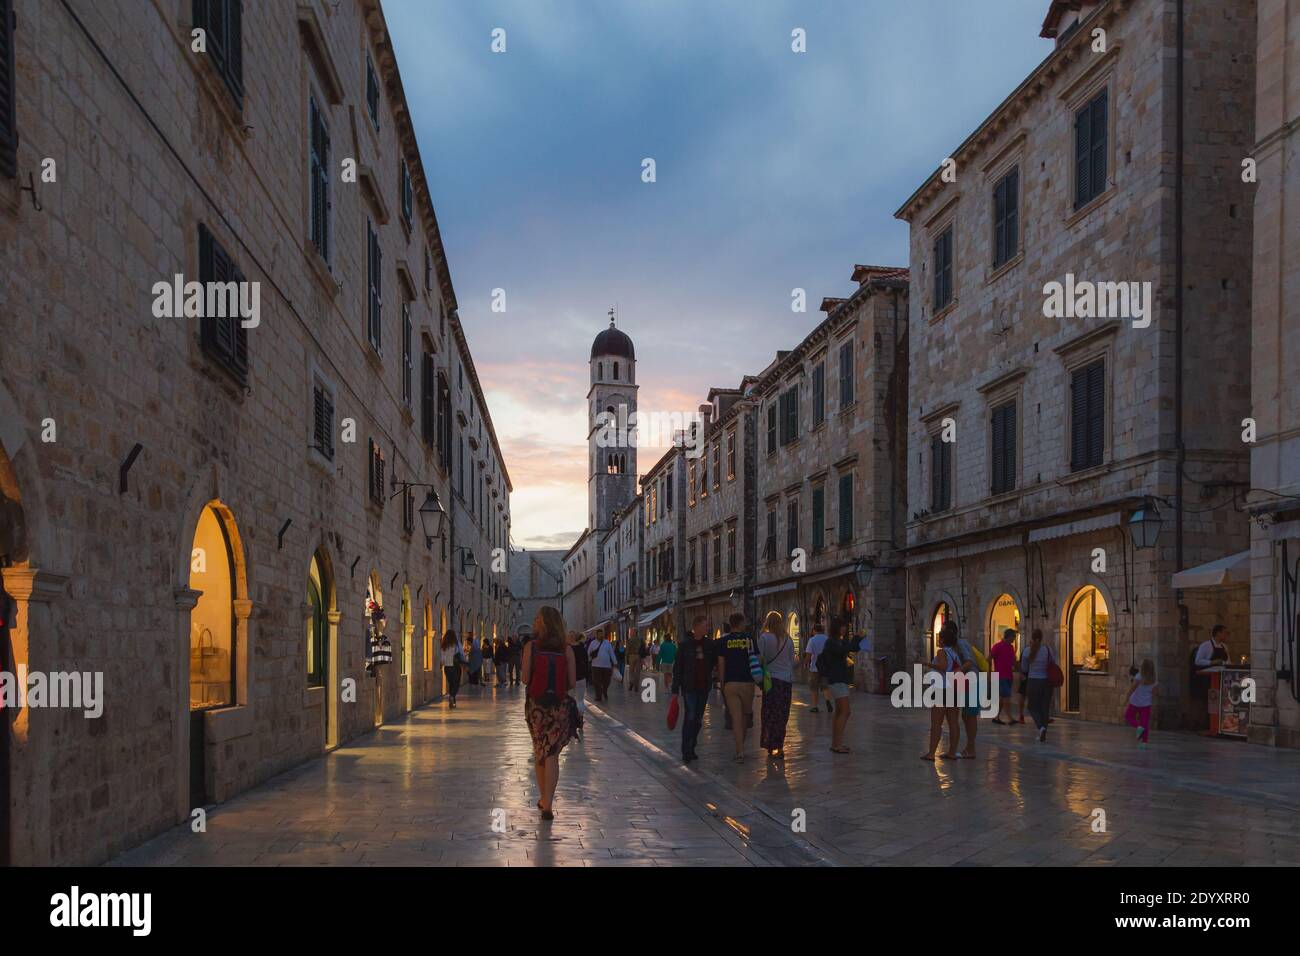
[[673, 709], [1055, 677]]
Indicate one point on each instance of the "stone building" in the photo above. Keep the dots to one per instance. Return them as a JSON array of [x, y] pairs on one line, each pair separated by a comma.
[[662, 544], [581, 588], [829, 490], [200, 493], [620, 597], [719, 528], [1037, 433], [1275, 363], [536, 579]]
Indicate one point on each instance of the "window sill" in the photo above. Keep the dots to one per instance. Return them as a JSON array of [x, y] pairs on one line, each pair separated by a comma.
[[944, 312], [1083, 474], [999, 271], [374, 356], [321, 269], [847, 407], [1090, 206], [818, 427], [1002, 497]]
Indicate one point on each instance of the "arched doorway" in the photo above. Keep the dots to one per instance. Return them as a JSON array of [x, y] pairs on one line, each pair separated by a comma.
[[1087, 640], [1004, 613], [214, 633], [321, 649], [428, 647], [13, 551], [849, 610], [819, 614], [796, 638], [941, 616], [406, 650]]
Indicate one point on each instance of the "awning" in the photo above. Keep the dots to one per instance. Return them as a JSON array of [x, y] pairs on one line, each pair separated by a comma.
[[1234, 569], [647, 618], [1082, 526], [788, 586], [599, 627]]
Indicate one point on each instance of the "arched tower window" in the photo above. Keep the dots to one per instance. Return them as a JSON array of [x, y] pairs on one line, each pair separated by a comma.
[[616, 371], [600, 370]]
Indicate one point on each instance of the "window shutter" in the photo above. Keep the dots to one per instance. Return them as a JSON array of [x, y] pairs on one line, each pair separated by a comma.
[[846, 508], [8, 93], [1082, 156], [1009, 447], [1096, 412], [234, 48], [938, 273], [936, 481], [427, 418], [1078, 419], [1097, 139], [1012, 229], [1000, 223], [846, 374], [999, 458], [819, 518], [771, 428]]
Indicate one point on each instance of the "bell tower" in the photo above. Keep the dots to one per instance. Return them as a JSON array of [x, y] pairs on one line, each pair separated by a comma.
[[611, 443]]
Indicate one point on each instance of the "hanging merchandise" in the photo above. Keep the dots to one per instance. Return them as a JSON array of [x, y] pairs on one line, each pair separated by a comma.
[[381, 648]]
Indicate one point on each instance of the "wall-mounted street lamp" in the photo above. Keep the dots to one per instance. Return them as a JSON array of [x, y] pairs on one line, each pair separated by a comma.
[[865, 570], [1145, 524], [736, 597], [433, 517], [468, 563]]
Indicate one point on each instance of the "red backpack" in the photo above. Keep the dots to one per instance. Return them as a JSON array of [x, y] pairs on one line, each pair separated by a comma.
[[544, 682]]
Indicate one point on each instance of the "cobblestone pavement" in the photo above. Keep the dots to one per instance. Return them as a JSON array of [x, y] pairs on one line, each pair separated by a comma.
[[427, 791]]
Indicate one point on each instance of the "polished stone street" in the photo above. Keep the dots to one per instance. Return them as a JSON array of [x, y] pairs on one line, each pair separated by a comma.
[[455, 788]]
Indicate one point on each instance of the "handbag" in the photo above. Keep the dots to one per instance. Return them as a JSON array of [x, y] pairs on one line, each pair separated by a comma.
[[1055, 676], [674, 709], [756, 670]]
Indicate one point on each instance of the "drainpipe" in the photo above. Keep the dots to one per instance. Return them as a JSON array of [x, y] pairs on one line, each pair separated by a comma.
[[1180, 450]]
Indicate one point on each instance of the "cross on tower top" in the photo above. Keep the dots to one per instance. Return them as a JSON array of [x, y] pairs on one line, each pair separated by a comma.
[[611, 318]]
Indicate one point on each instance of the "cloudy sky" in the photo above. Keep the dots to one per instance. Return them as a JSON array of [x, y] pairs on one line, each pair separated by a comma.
[[775, 170]]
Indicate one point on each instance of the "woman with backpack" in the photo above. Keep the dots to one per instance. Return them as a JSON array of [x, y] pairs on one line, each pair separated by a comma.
[[777, 655], [946, 660], [549, 671], [1037, 664]]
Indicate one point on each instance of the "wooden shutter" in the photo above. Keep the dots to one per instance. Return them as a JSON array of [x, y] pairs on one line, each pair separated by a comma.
[[1082, 156], [223, 337], [819, 518], [846, 508], [427, 417], [771, 428], [846, 374], [1098, 140], [8, 93], [940, 474], [1012, 230], [234, 48], [1079, 419], [1096, 389], [819, 394], [1004, 448], [323, 415], [1000, 222]]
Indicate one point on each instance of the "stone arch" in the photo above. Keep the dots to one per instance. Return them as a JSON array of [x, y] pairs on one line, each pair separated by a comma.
[[1068, 598], [934, 598], [986, 628]]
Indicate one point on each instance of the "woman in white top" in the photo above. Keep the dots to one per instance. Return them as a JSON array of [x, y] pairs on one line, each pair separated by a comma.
[[1035, 663], [776, 651], [452, 658], [946, 660]]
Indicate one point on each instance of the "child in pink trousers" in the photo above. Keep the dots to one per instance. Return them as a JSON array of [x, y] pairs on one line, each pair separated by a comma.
[[1138, 714]]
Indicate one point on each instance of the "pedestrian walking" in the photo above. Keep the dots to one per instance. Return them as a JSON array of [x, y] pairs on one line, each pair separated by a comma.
[[946, 661], [1004, 665], [1140, 699], [501, 658], [737, 681], [453, 656], [654, 654], [811, 652], [582, 670], [489, 660], [1035, 664], [552, 714], [667, 657], [970, 706], [692, 679], [603, 661], [620, 653], [635, 655], [777, 653], [475, 659], [836, 674], [516, 657]]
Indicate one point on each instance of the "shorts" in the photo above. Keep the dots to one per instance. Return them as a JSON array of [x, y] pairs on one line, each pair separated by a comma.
[[839, 691], [742, 692], [1004, 686], [1024, 685], [666, 669]]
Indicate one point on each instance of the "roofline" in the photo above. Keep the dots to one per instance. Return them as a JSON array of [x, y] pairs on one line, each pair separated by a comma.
[[1028, 87]]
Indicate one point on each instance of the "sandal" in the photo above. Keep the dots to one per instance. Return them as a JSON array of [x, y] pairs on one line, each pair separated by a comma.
[[839, 750], [951, 756], [929, 757]]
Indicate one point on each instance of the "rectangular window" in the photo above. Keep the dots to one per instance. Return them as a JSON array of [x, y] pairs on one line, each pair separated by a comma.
[[319, 143], [460, 468], [846, 375], [790, 415], [408, 193], [819, 518], [668, 489], [372, 93], [819, 394], [846, 508], [1006, 218], [1087, 416], [224, 338], [220, 22], [374, 273], [704, 474], [731, 549], [704, 559], [717, 472], [408, 358], [444, 420], [769, 546], [8, 93], [690, 483], [1090, 133], [717, 555], [791, 525], [943, 270], [940, 474], [1004, 448], [408, 511], [323, 421], [376, 474], [771, 428], [428, 274], [690, 554], [731, 456]]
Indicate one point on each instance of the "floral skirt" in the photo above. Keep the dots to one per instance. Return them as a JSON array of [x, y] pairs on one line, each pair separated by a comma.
[[552, 726], [776, 712]]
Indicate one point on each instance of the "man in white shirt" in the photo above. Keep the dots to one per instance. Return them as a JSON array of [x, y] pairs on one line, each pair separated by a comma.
[[1205, 654], [810, 652], [603, 662]]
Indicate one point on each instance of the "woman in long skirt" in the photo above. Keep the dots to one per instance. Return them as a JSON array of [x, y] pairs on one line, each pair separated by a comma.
[[777, 653], [452, 658], [553, 720]]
